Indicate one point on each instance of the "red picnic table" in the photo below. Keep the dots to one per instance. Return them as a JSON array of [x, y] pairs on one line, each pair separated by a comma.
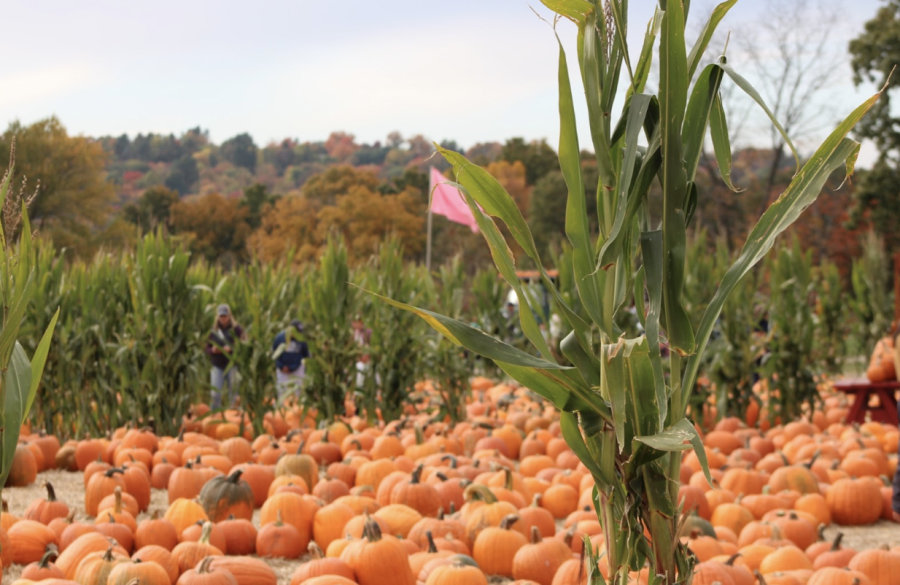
[[886, 393]]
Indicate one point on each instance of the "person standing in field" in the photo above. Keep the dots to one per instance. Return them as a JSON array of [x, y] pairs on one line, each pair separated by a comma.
[[362, 336], [290, 352], [219, 347]]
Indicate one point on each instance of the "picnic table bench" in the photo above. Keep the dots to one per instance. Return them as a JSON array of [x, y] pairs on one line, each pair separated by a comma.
[[864, 390]]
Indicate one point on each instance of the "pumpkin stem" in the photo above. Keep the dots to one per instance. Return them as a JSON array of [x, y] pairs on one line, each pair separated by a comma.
[[440, 475], [314, 551], [821, 531], [300, 447], [117, 507], [205, 534], [112, 471], [50, 553], [536, 535], [51, 493], [570, 535], [732, 558], [836, 545], [508, 521], [112, 519], [108, 555], [440, 513], [420, 436], [481, 492], [204, 566], [372, 531], [813, 460], [536, 501], [508, 482], [759, 578], [451, 459], [432, 548], [236, 476], [452, 508], [417, 474], [155, 515], [278, 521]]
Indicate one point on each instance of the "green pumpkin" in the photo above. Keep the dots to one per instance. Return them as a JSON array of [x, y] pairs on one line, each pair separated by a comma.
[[223, 496]]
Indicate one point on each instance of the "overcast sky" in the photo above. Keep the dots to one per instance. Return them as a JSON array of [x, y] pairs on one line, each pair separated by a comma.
[[468, 70]]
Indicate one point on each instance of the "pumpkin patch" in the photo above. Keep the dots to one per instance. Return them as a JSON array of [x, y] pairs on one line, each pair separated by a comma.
[[427, 502]]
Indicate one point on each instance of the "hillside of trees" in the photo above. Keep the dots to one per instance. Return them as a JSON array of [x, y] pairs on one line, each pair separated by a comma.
[[236, 200]]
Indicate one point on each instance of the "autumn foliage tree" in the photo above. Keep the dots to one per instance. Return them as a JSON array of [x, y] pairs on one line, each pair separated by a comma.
[[289, 225], [215, 227], [74, 201], [366, 218]]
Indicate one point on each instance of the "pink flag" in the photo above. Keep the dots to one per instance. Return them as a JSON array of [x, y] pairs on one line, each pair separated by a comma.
[[446, 200]]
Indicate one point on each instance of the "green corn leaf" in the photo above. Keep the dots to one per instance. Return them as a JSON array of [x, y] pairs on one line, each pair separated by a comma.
[[645, 61], [473, 339], [576, 10], [39, 360], [503, 259], [481, 186], [803, 190], [491, 196], [690, 203], [645, 401], [585, 363], [651, 254], [588, 283], [591, 68], [697, 119], [611, 251], [16, 314], [706, 35], [639, 285], [679, 437], [565, 389], [620, 37], [754, 95], [568, 426], [718, 129], [673, 101], [16, 383]]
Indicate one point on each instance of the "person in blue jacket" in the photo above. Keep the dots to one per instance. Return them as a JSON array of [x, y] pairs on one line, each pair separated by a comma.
[[290, 352]]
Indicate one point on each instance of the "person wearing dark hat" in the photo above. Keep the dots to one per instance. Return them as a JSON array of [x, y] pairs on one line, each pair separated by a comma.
[[290, 351], [219, 347]]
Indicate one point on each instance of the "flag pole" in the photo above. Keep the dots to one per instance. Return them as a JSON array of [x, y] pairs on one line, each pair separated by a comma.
[[428, 242]]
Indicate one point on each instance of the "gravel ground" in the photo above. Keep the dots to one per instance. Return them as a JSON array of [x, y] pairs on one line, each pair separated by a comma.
[[70, 489]]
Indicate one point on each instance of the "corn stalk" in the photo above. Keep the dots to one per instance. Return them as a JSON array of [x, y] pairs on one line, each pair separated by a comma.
[[871, 299], [396, 354], [21, 374], [619, 414], [330, 304], [789, 365]]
